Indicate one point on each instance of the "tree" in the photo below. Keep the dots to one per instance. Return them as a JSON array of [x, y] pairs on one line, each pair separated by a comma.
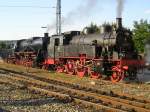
[[93, 28], [107, 27], [141, 33], [2, 45]]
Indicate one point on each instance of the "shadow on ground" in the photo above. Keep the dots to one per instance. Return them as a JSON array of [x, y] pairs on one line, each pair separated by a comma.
[[29, 102]]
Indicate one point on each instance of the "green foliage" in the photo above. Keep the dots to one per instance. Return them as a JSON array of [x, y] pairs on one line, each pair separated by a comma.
[[141, 33], [2, 45], [107, 27], [93, 28], [5, 45]]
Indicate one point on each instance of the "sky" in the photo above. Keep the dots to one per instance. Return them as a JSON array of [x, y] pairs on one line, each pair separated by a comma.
[[21, 19]]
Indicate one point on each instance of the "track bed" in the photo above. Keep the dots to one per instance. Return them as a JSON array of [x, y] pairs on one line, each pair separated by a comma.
[[94, 98]]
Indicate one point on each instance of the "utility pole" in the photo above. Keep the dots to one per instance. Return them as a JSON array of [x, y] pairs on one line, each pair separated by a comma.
[[58, 17]]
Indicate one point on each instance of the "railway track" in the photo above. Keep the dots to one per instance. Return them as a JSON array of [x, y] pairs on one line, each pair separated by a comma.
[[89, 97], [80, 87]]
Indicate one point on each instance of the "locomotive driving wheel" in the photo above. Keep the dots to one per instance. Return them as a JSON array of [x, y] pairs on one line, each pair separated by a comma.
[[70, 68], [29, 64], [95, 75], [117, 76], [81, 72], [60, 69], [118, 73], [95, 72]]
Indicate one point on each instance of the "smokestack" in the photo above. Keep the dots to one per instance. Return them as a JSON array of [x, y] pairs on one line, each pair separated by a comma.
[[119, 22], [46, 35]]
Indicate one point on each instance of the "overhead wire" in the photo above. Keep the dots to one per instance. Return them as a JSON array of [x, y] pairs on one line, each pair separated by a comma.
[[9, 6]]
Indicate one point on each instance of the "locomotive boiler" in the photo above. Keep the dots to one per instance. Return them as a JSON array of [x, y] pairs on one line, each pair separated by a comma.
[[31, 45]]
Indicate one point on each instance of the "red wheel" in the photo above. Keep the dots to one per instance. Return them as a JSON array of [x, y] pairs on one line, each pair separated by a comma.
[[16, 62], [23, 63], [95, 75], [117, 76], [70, 72], [81, 72], [60, 69], [70, 69], [122, 76], [29, 64]]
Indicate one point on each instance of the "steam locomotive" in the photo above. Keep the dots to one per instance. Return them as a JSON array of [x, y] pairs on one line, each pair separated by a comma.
[[111, 53]]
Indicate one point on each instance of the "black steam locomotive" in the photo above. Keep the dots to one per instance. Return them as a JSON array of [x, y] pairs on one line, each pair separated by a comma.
[[111, 53], [27, 51]]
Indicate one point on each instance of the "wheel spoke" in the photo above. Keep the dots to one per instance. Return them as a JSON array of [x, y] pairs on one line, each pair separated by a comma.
[[117, 76]]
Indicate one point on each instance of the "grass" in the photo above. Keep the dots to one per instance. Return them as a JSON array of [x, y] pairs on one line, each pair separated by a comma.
[[47, 74]]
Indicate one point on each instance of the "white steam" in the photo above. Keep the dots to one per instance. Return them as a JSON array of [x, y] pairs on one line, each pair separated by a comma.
[[120, 7], [82, 11]]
